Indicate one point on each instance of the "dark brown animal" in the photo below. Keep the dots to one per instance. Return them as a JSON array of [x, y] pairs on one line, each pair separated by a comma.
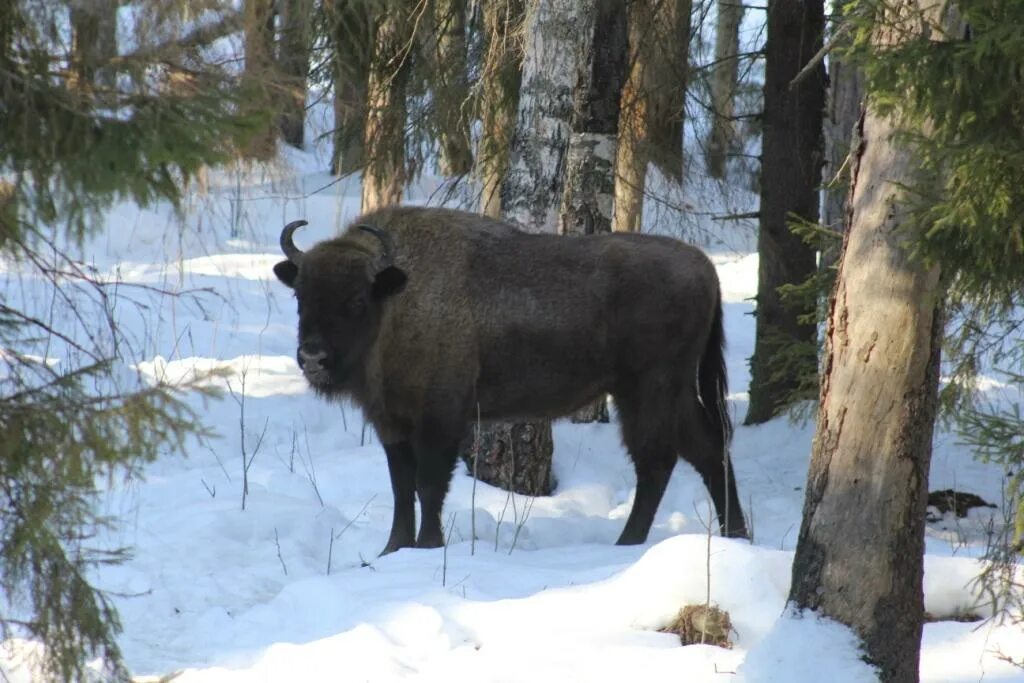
[[423, 316]]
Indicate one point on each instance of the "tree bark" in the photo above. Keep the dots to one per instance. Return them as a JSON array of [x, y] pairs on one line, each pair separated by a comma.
[[384, 173], [258, 75], [502, 77], [651, 111], [294, 66], [558, 36], [93, 43], [589, 193], [785, 348], [350, 31], [859, 557], [451, 87], [845, 96], [723, 85]]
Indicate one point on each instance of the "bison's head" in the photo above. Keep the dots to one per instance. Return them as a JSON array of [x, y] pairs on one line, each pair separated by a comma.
[[340, 287]]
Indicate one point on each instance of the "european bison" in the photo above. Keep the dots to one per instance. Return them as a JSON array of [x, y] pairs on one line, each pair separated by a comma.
[[425, 316]]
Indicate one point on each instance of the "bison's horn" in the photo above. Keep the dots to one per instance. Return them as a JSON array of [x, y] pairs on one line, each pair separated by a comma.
[[387, 258], [293, 253]]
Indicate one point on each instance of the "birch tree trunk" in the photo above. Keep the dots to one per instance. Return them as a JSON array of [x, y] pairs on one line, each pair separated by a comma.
[[502, 76], [785, 348], [384, 172], [350, 31], [294, 65], [859, 558], [558, 35], [723, 85], [651, 112], [589, 193]]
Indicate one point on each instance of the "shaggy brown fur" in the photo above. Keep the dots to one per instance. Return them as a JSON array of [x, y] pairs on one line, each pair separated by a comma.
[[468, 311]]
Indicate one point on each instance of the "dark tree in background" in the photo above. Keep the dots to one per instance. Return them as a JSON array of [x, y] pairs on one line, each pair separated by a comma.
[[791, 161], [723, 85], [501, 74], [349, 36], [293, 59], [651, 108], [384, 172]]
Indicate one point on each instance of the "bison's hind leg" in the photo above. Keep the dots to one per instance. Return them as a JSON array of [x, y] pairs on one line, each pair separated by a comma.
[[649, 432], [703, 446]]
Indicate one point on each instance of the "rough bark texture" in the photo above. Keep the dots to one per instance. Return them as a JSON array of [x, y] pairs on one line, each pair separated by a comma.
[[258, 74], [384, 173], [451, 87], [845, 96], [791, 161], [294, 67], [723, 85], [651, 114], [93, 42], [351, 34], [867, 484], [558, 36], [500, 99], [589, 192], [859, 558]]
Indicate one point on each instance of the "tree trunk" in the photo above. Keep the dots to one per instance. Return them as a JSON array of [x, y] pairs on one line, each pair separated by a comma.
[[93, 43], [502, 75], [451, 87], [859, 558], [589, 193], [723, 85], [294, 61], [258, 76], [384, 173], [785, 348], [845, 96], [558, 36], [351, 35], [651, 112]]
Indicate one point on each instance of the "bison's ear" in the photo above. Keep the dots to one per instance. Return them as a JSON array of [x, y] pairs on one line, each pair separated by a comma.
[[389, 282], [286, 272]]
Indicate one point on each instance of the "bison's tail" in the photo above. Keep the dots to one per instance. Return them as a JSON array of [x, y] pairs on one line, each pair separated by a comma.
[[713, 380]]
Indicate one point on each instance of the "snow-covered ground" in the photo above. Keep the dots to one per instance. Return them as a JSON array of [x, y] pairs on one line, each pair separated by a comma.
[[290, 588]]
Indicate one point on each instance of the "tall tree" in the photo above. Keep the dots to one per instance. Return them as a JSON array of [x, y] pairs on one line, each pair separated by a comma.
[[868, 478], [651, 116], [258, 75], [384, 172], [499, 100], [723, 85], [350, 39], [517, 456], [450, 86], [293, 58], [588, 197], [785, 347], [94, 42]]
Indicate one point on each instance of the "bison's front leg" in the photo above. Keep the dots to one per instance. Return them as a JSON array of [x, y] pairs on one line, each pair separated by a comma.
[[436, 453], [402, 467]]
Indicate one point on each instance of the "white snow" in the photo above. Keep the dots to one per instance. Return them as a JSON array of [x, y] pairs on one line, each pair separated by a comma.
[[291, 588]]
